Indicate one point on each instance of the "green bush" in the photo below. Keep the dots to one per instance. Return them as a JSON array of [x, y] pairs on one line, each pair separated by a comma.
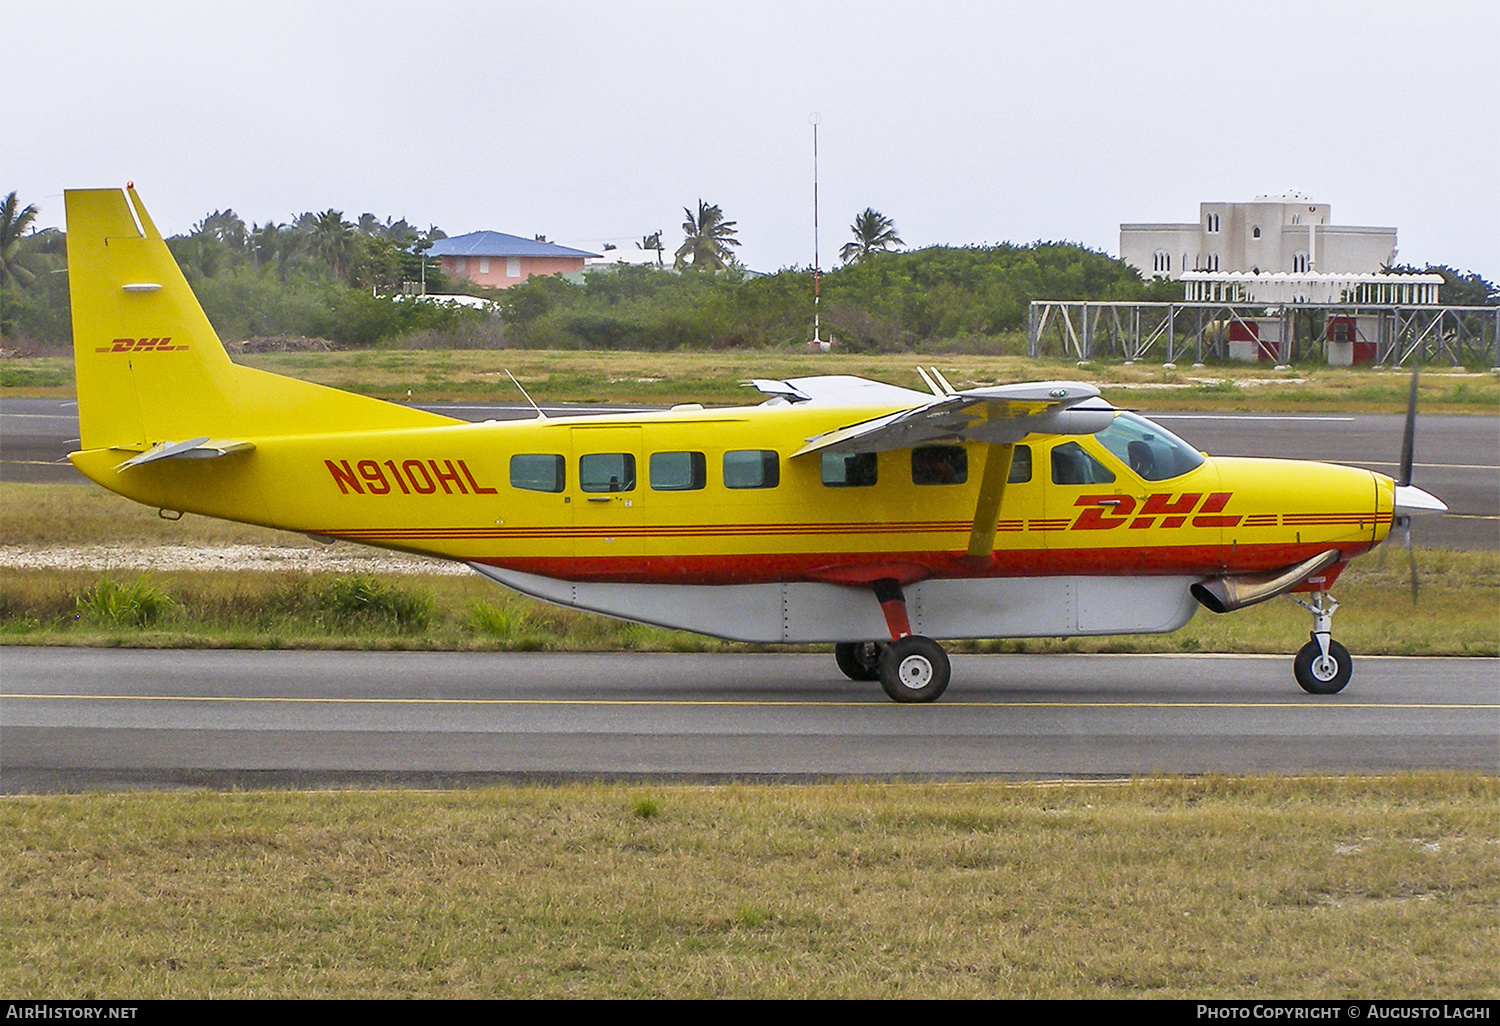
[[111, 603], [358, 602]]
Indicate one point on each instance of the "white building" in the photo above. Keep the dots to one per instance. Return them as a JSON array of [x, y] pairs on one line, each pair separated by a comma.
[[1288, 233]]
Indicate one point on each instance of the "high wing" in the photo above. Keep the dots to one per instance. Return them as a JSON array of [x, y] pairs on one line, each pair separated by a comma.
[[998, 415]]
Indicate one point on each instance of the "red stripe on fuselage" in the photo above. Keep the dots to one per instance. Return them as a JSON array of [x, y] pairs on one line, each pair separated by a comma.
[[768, 568]]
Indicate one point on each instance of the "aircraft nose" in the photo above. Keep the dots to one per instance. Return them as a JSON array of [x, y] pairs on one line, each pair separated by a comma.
[[1412, 500]]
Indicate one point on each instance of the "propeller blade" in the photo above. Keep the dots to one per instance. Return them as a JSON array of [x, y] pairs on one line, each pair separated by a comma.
[[1409, 439]]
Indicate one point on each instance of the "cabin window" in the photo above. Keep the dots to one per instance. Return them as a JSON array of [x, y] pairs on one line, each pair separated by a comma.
[[857, 470], [1149, 450], [678, 471], [939, 465], [538, 472], [751, 468], [1020, 465], [1072, 465], [607, 472]]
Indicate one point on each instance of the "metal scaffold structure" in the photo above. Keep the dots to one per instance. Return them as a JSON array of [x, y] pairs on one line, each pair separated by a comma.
[[1384, 334]]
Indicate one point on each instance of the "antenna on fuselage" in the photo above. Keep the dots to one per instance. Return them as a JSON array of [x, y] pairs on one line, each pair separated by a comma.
[[817, 342], [539, 414]]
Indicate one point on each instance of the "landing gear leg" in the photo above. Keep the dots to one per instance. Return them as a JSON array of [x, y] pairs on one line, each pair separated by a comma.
[[912, 668], [1323, 666]]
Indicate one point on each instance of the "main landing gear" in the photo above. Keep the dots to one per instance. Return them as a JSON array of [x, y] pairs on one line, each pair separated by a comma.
[[1323, 666], [910, 668]]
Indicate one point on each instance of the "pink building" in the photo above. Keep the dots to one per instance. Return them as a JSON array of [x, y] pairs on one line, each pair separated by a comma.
[[499, 261]]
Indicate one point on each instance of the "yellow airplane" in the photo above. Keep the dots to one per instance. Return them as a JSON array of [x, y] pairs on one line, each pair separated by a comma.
[[838, 510]]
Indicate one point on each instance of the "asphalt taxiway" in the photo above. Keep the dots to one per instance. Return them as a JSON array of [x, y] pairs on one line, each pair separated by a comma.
[[82, 718]]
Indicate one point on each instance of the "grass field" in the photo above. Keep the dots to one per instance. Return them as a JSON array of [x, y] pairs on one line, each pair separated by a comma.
[[1211, 887], [718, 377]]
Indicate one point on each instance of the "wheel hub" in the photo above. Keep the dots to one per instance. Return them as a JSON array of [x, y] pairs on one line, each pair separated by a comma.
[[1325, 667], [915, 672]]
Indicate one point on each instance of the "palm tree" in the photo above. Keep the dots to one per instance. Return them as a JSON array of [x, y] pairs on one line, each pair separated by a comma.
[[873, 233], [707, 236], [13, 225], [332, 239], [652, 242]]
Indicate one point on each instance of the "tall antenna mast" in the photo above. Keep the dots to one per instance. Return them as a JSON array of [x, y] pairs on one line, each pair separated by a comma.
[[817, 341]]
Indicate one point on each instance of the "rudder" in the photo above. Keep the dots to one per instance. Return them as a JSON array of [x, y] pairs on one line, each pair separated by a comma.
[[149, 365]]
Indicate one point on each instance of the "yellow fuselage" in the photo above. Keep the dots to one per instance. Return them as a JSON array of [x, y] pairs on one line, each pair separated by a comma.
[[449, 491]]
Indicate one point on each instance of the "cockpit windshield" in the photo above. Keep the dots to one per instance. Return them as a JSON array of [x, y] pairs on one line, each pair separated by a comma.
[[1150, 451]]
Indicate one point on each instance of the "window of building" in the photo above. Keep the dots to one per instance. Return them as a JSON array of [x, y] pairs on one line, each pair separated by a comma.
[[1299, 262], [1161, 261], [538, 472], [1255, 232], [939, 465], [484, 265], [512, 267], [1213, 223], [751, 468], [460, 265], [677, 471], [607, 472], [849, 471]]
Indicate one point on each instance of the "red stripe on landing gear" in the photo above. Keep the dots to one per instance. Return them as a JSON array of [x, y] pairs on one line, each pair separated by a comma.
[[895, 619]]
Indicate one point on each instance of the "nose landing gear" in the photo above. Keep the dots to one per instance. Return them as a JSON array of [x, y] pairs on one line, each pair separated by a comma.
[[1322, 666]]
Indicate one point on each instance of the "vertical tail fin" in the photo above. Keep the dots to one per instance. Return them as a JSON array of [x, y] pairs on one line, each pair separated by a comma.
[[150, 366]]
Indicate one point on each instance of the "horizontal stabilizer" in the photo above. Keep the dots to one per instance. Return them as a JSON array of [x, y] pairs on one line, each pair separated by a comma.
[[1000, 414], [204, 448]]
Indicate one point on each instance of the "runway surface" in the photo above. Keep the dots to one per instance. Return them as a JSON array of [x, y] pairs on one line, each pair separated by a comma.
[[83, 718], [1457, 457]]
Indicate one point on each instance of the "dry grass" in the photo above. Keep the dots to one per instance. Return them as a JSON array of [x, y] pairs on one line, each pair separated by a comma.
[[715, 377], [1163, 888]]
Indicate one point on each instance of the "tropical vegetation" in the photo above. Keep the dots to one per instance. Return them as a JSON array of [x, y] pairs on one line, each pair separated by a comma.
[[708, 237], [323, 276], [873, 233]]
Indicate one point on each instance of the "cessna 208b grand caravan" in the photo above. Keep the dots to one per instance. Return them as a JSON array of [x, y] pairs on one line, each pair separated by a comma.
[[838, 510]]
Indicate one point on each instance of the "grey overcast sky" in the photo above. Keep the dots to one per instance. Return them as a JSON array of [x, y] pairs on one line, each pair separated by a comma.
[[588, 122]]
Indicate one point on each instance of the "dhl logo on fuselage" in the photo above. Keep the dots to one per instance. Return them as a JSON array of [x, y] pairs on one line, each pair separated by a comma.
[[423, 477], [140, 345], [1103, 512]]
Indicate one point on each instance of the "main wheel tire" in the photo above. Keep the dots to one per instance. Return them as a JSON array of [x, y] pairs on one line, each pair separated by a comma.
[[859, 660], [914, 669], [1320, 675]]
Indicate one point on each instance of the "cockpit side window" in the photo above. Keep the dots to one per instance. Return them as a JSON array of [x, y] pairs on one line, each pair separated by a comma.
[[1149, 450], [1073, 465]]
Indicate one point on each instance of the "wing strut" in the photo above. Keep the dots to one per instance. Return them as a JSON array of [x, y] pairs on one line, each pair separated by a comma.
[[987, 510]]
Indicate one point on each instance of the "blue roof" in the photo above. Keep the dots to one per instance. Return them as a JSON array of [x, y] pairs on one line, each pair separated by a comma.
[[498, 244]]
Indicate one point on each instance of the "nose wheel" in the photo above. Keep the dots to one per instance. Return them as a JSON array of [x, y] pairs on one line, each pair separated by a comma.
[[1322, 666]]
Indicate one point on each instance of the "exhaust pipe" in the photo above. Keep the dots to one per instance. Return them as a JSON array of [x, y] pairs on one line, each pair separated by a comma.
[[1236, 591]]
